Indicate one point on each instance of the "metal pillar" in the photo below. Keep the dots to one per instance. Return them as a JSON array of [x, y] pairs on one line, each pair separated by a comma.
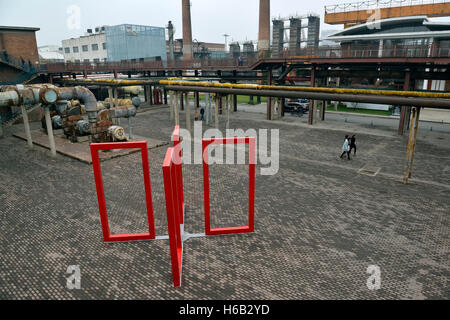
[[216, 114], [235, 103], [311, 114], [172, 105], [227, 107], [322, 110], [407, 172], [181, 98], [280, 108], [220, 104], [177, 109], [116, 97], [405, 112], [51, 138], [196, 105], [165, 96], [188, 112], [27, 125], [269, 99], [150, 94]]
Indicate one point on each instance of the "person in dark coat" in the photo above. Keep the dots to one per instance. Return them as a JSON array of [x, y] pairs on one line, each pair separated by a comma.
[[202, 114], [353, 144]]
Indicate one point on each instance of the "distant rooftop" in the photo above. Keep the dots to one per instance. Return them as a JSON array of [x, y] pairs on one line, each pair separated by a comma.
[[10, 28]]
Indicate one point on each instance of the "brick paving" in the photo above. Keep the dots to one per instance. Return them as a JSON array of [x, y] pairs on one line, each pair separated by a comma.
[[319, 224]]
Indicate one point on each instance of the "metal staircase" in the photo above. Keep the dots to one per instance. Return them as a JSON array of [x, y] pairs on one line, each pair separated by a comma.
[[27, 71], [9, 118]]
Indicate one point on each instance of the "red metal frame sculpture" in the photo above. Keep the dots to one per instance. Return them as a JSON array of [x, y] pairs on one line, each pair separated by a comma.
[[251, 201], [95, 148], [176, 138], [172, 190]]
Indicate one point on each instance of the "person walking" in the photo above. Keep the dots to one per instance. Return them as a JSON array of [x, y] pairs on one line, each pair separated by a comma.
[[202, 114], [346, 148], [353, 144], [240, 61]]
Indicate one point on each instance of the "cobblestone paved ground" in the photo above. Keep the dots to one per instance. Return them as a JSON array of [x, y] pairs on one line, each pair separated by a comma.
[[319, 224]]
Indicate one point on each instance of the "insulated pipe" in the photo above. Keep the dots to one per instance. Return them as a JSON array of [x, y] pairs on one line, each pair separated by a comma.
[[330, 94], [84, 95], [403, 101], [257, 87]]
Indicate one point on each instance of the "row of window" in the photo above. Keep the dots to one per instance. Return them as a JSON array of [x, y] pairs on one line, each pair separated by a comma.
[[85, 48], [87, 60]]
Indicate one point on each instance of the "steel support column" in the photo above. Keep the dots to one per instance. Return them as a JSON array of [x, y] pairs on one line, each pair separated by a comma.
[[269, 99], [311, 105], [404, 115], [407, 172]]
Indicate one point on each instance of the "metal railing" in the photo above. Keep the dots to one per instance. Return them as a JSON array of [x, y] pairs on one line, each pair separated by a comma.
[[377, 4], [351, 52], [145, 65], [18, 63], [401, 51]]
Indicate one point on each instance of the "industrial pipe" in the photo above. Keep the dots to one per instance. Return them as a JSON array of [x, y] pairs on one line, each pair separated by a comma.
[[393, 100], [84, 95], [256, 88], [415, 94]]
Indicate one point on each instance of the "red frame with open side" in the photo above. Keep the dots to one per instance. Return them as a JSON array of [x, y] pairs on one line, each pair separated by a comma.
[[251, 201], [177, 158], [172, 190], [95, 148]]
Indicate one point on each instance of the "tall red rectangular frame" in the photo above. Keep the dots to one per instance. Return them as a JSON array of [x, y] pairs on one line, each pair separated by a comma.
[[95, 148], [251, 201], [172, 190], [177, 157]]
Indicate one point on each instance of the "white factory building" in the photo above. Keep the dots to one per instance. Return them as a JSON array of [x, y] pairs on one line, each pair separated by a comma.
[[125, 42], [88, 48]]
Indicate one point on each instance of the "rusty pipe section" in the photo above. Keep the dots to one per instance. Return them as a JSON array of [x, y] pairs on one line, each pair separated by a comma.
[[26, 95], [82, 94], [123, 112]]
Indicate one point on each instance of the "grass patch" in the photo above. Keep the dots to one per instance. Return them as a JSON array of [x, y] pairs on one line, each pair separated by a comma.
[[342, 108]]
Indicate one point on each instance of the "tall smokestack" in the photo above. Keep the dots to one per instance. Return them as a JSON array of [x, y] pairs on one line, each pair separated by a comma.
[[187, 30], [171, 43], [264, 26]]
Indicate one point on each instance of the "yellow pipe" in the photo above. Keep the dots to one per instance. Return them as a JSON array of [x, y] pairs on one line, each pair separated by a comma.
[[309, 89], [416, 94]]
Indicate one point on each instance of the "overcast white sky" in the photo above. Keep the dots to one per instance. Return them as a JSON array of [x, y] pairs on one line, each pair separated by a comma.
[[210, 18]]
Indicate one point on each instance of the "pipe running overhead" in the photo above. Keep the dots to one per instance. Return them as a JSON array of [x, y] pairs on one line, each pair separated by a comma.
[[376, 99], [255, 87]]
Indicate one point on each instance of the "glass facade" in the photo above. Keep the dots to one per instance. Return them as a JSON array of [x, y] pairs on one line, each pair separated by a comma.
[[127, 42]]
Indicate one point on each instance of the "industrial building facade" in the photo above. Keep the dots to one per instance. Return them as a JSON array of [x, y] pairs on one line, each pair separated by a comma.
[[117, 43], [412, 37]]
